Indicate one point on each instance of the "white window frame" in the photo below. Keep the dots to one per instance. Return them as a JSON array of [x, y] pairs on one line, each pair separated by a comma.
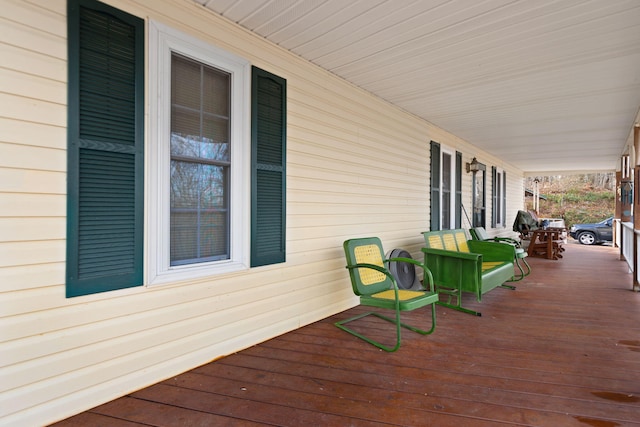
[[452, 191], [163, 41]]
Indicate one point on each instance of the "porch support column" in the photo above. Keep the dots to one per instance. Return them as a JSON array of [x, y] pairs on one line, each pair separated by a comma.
[[617, 231], [636, 142], [636, 204]]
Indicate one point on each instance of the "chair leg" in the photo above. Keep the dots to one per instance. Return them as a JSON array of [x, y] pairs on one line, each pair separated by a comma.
[[523, 274], [524, 260], [341, 325], [520, 276], [458, 307], [396, 322], [421, 331], [457, 293]]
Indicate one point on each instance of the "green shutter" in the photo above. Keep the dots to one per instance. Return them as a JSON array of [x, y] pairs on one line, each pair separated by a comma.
[[458, 200], [268, 168], [504, 199], [105, 149], [494, 197], [435, 186]]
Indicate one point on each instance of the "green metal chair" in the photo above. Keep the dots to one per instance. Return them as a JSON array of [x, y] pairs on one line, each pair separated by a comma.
[[376, 287], [479, 233]]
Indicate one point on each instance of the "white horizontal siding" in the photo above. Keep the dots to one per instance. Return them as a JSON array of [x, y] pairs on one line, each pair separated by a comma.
[[26, 277], [27, 133], [35, 63], [20, 156], [14, 204], [33, 87], [21, 108], [356, 166]]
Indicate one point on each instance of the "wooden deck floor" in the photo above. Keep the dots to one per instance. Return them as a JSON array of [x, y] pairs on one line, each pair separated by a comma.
[[561, 350]]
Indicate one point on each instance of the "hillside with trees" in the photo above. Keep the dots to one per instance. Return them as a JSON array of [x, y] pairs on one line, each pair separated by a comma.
[[576, 198]]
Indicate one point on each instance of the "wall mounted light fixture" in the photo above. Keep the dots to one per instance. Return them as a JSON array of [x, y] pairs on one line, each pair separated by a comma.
[[474, 166]]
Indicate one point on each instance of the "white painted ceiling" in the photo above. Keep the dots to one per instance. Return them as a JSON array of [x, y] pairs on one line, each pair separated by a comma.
[[546, 85]]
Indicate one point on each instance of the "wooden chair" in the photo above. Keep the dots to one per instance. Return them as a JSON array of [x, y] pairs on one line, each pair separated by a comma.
[[546, 244], [544, 241], [376, 287]]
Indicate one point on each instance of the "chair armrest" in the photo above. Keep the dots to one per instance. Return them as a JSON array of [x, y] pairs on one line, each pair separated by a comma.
[[373, 267], [381, 270], [453, 254], [508, 240], [492, 251]]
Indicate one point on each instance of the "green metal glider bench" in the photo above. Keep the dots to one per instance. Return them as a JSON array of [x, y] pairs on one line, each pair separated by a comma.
[[376, 287], [459, 265], [479, 233]]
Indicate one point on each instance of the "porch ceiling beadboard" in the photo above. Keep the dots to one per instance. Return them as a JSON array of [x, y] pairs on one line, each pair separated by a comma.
[[549, 85]]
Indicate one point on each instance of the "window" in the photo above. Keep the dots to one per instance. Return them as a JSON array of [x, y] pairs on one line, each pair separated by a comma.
[[479, 199], [105, 149], [209, 207], [199, 162], [446, 188], [499, 197], [217, 168]]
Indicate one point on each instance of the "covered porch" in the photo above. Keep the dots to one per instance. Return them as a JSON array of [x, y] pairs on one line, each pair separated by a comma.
[[378, 107], [563, 349]]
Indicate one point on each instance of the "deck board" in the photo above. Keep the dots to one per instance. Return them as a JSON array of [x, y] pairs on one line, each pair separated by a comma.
[[563, 349]]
